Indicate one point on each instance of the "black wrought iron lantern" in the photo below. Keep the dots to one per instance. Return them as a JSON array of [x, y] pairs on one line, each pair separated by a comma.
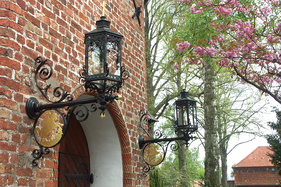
[[155, 146], [104, 72], [185, 114]]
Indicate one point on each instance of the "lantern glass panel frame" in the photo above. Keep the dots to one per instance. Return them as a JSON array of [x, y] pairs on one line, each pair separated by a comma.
[[185, 114], [103, 58]]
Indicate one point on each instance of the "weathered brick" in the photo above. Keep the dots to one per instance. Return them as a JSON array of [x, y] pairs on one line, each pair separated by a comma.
[[23, 181], [8, 104], [32, 19], [44, 173], [10, 180], [7, 146], [32, 2], [21, 21], [11, 24], [14, 158], [4, 136], [30, 53], [7, 32], [5, 61], [18, 57], [4, 157], [62, 23], [55, 29], [10, 6], [9, 83], [3, 180], [24, 172], [7, 93], [9, 43], [20, 39], [22, 4], [6, 72], [45, 43], [55, 34], [51, 183], [16, 138], [16, 118], [48, 13], [4, 113], [8, 14]]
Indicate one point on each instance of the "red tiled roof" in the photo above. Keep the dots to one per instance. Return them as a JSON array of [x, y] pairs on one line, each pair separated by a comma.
[[258, 158]]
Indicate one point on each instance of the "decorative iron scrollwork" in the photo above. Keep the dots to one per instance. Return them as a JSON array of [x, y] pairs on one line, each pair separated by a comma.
[[154, 152], [52, 119], [155, 147], [39, 153], [43, 72]]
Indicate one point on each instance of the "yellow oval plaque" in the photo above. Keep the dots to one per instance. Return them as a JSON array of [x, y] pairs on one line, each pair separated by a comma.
[[49, 129], [153, 154]]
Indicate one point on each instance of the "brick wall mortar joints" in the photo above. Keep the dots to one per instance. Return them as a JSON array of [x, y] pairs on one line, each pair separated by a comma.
[[132, 120]]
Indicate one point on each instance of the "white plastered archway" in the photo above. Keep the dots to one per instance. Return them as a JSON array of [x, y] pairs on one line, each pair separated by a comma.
[[105, 150]]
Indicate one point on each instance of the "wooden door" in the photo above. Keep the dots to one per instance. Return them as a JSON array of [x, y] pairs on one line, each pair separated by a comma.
[[74, 158]]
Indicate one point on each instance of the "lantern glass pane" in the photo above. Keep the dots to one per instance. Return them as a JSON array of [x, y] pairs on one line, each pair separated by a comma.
[[193, 116], [113, 58], [95, 60], [182, 116]]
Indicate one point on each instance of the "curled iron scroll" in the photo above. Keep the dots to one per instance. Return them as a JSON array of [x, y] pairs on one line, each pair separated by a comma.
[[44, 72], [154, 154]]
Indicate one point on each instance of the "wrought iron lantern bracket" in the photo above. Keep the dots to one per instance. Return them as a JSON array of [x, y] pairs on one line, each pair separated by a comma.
[[103, 75], [155, 146], [52, 119]]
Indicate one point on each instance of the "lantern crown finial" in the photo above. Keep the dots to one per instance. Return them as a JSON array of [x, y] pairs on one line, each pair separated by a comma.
[[103, 23], [183, 94]]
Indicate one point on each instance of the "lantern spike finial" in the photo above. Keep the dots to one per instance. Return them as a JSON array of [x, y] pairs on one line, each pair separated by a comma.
[[184, 94]]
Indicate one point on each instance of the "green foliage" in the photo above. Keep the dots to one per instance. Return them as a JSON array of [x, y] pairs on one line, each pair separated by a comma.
[[274, 141], [170, 174], [155, 180]]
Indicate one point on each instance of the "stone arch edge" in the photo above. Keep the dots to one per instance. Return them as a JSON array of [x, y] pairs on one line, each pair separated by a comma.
[[122, 132]]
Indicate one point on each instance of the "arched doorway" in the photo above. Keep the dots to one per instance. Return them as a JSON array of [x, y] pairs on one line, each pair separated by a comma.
[[97, 144], [74, 158], [105, 150]]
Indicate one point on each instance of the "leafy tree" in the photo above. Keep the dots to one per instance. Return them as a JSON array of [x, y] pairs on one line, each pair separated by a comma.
[[170, 173], [274, 141], [246, 41], [158, 29], [155, 180], [197, 32], [163, 83], [235, 36], [236, 115]]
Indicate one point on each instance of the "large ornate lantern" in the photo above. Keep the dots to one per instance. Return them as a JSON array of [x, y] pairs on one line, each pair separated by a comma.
[[155, 147], [103, 67], [102, 74], [185, 114]]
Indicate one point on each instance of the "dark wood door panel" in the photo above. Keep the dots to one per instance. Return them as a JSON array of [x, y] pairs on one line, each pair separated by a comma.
[[74, 158]]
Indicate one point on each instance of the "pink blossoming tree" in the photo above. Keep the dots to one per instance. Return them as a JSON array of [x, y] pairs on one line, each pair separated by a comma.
[[246, 40]]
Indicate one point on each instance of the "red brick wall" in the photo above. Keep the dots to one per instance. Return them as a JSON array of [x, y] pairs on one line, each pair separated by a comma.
[[256, 176], [55, 30]]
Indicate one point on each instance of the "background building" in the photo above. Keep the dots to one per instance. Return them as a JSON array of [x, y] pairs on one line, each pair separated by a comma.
[[256, 170], [55, 29]]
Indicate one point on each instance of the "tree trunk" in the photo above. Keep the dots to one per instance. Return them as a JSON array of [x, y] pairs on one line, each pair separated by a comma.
[[182, 165], [223, 154], [211, 148]]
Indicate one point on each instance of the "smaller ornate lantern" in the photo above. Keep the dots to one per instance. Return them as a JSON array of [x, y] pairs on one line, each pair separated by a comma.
[[185, 114], [103, 68], [155, 146]]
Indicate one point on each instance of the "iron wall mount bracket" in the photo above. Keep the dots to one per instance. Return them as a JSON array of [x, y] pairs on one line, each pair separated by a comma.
[[63, 101]]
